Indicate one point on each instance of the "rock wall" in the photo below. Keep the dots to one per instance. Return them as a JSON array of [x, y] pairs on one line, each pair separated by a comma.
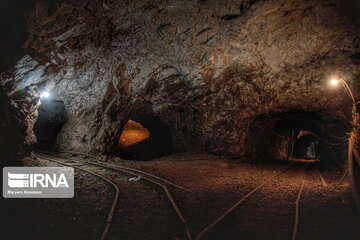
[[18, 114], [208, 68]]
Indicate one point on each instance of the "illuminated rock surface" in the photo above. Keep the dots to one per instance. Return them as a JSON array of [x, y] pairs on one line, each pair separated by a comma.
[[214, 72]]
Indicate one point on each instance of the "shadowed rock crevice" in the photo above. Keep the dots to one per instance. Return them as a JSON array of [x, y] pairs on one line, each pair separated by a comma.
[[18, 113], [51, 117]]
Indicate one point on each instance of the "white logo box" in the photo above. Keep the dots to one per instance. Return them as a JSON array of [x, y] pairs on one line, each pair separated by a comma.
[[38, 182]]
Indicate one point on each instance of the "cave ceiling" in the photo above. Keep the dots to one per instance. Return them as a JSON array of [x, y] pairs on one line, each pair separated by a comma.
[[206, 68]]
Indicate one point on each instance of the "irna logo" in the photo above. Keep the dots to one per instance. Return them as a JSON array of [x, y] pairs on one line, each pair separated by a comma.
[[38, 182], [19, 180]]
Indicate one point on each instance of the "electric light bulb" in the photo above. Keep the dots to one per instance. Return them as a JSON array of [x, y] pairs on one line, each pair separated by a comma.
[[334, 82], [45, 95]]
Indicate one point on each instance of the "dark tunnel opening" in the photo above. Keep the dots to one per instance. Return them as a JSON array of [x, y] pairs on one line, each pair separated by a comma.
[[300, 136], [50, 120], [306, 146], [144, 137]]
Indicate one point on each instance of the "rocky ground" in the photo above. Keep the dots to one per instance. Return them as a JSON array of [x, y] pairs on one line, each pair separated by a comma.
[[215, 184]]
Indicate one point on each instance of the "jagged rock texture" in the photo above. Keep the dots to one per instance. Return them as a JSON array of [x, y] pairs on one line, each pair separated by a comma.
[[208, 69]]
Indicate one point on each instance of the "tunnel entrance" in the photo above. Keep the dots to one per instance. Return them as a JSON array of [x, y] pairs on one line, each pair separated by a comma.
[[144, 138], [299, 136], [306, 146], [50, 120], [312, 137], [303, 146]]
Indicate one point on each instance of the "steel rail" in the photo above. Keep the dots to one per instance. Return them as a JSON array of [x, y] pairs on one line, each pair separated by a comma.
[[150, 175], [219, 219], [113, 206], [296, 223], [168, 194], [321, 178], [343, 177], [134, 170]]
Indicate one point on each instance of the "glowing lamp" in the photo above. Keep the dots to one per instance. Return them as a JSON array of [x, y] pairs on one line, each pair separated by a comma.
[[45, 94], [334, 82]]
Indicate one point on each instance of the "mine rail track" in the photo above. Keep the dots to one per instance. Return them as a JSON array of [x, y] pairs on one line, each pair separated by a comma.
[[160, 182], [111, 183], [212, 225], [119, 167], [129, 171]]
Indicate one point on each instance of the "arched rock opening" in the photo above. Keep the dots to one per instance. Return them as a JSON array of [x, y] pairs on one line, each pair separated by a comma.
[[306, 146], [299, 135], [51, 117], [144, 137]]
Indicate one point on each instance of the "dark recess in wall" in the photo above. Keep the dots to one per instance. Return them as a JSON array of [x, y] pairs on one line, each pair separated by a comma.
[[272, 134], [307, 147], [158, 144], [49, 122]]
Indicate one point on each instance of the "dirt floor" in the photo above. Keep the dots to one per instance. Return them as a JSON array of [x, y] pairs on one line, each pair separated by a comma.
[[215, 185]]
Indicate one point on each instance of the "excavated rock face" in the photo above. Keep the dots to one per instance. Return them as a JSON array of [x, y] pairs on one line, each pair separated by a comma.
[[207, 69], [17, 118]]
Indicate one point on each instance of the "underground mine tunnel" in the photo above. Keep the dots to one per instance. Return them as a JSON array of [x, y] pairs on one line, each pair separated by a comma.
[[144, 139], [196, 119], [51, 117]]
